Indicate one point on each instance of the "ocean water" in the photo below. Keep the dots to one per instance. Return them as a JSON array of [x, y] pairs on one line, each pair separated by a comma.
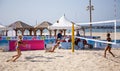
[[102, 30], [103, 27]]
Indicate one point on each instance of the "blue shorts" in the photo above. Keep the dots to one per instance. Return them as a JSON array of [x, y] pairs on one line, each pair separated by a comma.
[[110, 45]]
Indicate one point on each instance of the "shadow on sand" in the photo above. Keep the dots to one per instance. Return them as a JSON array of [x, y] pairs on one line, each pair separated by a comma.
[[41, 58], [93, 49], [115, 59]]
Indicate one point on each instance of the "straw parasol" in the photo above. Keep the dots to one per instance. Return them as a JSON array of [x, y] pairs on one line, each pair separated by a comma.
[[42, 26], [19, 25]]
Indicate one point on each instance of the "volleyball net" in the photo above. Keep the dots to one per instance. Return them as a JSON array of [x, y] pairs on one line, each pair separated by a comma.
[[100, 30]]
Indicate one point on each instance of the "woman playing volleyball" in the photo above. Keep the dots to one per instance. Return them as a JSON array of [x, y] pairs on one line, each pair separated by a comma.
[[18, 44], [109, 46]]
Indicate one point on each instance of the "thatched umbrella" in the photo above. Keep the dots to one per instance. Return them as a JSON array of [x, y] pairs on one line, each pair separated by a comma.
[[19, 25], [42, 26]]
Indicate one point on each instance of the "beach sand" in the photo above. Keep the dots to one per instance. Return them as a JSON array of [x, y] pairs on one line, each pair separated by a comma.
[[62, 60]]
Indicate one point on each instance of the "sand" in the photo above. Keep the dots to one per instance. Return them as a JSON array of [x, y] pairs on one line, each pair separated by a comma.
[[62, 60]]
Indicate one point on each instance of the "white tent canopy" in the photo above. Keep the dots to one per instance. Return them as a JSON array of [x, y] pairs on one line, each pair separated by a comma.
[[2, 27], [63, 23]]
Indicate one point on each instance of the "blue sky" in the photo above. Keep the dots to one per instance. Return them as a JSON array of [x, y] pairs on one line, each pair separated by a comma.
[[30, 11]]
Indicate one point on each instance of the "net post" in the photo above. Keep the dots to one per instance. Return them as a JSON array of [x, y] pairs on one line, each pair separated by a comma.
[[115, 29], [72, 37]]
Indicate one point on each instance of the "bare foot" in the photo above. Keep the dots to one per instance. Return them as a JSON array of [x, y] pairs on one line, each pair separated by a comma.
[[8, 60], [13, 60], [104, 56], [13, 56], [51, 51], [113, 55]]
